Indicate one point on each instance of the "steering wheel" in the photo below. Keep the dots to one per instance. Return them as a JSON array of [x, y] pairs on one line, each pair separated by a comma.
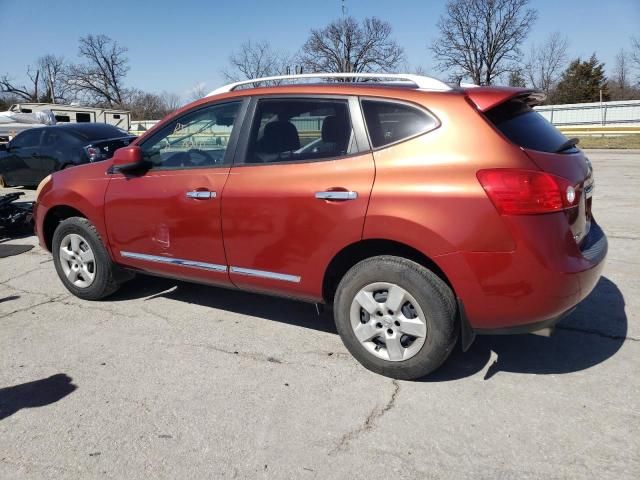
[[209, 160]]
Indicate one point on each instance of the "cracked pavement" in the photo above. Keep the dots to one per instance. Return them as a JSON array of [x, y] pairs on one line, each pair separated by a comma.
[[175, 380]]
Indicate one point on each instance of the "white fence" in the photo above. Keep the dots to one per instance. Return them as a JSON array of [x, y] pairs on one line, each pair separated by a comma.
[[623, 113]]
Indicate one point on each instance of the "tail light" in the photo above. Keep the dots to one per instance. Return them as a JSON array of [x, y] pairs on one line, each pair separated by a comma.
[[94, 154], [527, 192]]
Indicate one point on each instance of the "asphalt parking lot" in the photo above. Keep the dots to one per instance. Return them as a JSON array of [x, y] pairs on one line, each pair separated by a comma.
[[174, 380]]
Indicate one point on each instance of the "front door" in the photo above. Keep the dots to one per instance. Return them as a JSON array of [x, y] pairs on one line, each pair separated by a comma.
[[167, 220], [22, 165], [297, 195]]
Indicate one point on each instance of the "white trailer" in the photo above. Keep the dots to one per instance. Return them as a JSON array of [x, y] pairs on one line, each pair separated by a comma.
[[65, 114]]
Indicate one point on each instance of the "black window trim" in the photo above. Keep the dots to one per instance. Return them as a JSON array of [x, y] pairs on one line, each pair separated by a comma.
[[361, 142], [406, 103], [230, 152]]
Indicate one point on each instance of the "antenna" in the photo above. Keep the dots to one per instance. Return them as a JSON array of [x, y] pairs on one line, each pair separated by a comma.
[[344, 8]]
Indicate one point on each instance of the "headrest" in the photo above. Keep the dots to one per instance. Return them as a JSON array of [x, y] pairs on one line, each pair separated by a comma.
[[279, 136], [335, 129]]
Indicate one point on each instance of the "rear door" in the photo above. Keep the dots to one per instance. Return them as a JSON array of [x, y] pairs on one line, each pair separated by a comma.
[[59, 148], [167, 219], [297, 194]]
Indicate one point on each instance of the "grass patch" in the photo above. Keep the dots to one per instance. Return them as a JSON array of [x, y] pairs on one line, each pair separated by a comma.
[[621, 141]]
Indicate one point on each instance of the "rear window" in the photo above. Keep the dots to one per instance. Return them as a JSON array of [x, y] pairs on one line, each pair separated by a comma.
[[390, 122], [107, 148], [527, 128], [94, 131]]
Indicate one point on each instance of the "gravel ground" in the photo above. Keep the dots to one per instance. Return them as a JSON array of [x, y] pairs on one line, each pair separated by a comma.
[[175, 380]]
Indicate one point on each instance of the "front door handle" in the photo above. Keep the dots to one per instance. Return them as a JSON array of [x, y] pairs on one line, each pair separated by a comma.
[[201, 194], [336, 195]]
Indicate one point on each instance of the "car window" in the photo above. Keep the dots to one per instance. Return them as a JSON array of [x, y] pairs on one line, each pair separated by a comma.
[[527, 128], [197, 139], [57, 139], [390, 122], [28, 138], [290, 130]]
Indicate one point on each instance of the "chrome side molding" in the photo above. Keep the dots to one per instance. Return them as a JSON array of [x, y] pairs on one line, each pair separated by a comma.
[[264, 274], [213, 267], [175, 261]]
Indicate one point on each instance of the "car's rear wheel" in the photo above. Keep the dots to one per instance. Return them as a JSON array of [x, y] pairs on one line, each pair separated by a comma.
[[81, 260], [396, 317]]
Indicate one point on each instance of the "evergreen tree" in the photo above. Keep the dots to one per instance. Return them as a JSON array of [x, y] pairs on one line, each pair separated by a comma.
[[582, 82], [516, 79]]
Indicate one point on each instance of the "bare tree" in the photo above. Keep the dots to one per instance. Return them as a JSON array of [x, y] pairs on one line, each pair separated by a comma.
[[255, 60], [481, 39], [348, 46], [54, 84], [47, 82], [29, 92], [546, 62], [198, 91], [635, 54], [621, 84], [172, 101], [145, 106], [101, 78], [8, 99]]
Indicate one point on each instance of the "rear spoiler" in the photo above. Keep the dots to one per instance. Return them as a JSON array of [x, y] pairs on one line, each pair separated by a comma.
[[485, 98]]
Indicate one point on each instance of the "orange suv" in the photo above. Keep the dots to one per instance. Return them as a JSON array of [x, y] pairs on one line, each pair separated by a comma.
[[422, 212]]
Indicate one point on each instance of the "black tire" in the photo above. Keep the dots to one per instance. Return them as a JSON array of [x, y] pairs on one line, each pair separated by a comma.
[[434, 297], [106, 279]]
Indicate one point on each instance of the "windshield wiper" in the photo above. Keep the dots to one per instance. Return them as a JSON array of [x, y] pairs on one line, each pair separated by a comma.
[[572, 142]]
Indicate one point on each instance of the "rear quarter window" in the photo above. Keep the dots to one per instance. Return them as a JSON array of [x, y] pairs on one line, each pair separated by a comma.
[[526, 128], [390, 122]]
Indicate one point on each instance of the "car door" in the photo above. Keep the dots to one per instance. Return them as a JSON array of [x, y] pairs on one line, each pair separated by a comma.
[[167, 219], [22, 162], [297, 194], [58, 149]]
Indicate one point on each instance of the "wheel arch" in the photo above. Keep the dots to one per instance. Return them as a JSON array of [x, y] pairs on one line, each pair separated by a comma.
[[356, 252], [54, 216]]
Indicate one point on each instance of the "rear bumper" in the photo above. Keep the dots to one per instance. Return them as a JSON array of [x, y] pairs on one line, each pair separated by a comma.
[[532, 287]]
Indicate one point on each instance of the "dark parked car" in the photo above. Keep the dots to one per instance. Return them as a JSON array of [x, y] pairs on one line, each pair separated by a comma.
[[35, 153]]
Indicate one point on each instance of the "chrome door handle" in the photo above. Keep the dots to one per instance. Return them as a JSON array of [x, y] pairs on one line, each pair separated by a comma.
[[201, 194], [336, 195]]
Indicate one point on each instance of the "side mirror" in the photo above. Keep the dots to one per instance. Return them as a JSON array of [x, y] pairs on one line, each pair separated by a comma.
[[128, 159]]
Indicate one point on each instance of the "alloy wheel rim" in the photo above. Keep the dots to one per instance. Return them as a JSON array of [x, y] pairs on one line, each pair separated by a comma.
[[388, 322], [77, 260]]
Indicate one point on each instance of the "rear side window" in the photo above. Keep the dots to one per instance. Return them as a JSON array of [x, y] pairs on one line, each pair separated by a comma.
[[292, 130], [390, 122], [527, 128]]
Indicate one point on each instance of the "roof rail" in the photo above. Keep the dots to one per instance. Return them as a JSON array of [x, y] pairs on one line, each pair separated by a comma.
[[421, 82]]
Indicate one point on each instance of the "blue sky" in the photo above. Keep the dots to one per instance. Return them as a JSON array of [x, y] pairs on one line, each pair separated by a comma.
[[174, 45]]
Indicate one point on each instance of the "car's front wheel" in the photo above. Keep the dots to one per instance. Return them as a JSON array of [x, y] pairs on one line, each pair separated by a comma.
[[81, 260], [396, 317]]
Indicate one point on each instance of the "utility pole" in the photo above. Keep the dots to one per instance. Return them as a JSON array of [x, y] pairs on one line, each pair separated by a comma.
[[345, 60]]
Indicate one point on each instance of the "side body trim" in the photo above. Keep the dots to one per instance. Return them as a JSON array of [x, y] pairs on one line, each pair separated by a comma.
[[212, 266], [175, 261], [264, 274]]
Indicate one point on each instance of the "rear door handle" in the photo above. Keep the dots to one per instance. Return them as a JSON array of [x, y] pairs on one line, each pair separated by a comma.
[[201, 194], [336, 195]]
